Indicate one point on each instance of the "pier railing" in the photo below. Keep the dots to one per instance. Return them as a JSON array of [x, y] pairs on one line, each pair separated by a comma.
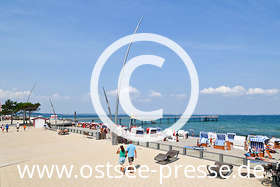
[[201, 154], [165, 119]]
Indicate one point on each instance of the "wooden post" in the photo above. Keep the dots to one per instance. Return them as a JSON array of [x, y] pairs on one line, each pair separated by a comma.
[[184, 151], [75, 117], [221, 158], [170, 147], [201, 154], [245, 161]]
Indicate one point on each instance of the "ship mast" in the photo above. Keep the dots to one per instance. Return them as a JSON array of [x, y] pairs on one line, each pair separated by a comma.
[[124, 62]]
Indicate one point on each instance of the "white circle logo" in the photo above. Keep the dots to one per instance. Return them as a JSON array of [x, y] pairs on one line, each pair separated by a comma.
[[123, 85]]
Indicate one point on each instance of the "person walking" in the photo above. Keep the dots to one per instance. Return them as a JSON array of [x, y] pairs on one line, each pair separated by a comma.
[[131, 154], [2, 128], [7, 127], [17, 126], [121, 152]]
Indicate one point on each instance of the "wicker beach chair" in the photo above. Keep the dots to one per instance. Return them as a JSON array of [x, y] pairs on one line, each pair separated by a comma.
[[203, 139], [230, 137], [220, 142]]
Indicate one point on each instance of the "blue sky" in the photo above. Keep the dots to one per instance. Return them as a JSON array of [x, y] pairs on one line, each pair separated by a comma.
[[235, 46]]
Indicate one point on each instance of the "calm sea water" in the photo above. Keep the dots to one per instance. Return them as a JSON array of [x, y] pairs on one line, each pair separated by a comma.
[[268, 125]]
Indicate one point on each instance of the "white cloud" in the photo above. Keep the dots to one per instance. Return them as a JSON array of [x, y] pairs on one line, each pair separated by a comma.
[[239, 90], [112, 92], [225, 90], [13, 94], [260, 91], [55, 96], [155, 94], [143, 100], [16, 95], [179, 96], [131, 90], [58, 96]]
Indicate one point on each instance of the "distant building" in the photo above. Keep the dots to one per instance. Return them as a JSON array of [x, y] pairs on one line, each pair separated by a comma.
[[39, 122]]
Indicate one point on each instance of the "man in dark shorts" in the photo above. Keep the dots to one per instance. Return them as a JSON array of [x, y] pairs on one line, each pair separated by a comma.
[[7, 127], [131, 153], [130, 160]]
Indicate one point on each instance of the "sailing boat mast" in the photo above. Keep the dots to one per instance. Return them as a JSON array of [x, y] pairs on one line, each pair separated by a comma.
[[52, 106], [124, 62], [28, 98], [53, 110], [108, 104]]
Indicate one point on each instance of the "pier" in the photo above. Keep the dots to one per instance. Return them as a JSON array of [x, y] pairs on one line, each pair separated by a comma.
[[168, 119]]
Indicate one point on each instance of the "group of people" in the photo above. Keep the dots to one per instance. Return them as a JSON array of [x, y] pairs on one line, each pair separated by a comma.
[[129, 153], [7, 127]]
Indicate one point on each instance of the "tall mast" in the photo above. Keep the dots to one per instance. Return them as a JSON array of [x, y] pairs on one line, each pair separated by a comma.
[[53, 110], [52, 106], [31, 92], [108, 104], [124, 62], [28, 98]]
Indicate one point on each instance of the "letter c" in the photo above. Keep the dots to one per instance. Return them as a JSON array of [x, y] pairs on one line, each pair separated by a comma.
[[123, 87]]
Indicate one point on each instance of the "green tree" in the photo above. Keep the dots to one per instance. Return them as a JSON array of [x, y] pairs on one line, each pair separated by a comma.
[[28, 107], [31, 108], [10, 108]]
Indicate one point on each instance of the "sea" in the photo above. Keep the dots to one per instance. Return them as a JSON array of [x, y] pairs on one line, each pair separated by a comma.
[[267, 125]]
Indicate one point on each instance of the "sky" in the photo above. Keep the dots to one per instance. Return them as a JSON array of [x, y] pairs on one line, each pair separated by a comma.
[[234, 45]]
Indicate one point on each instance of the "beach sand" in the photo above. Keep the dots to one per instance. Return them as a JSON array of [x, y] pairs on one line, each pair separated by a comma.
[[39, 146]]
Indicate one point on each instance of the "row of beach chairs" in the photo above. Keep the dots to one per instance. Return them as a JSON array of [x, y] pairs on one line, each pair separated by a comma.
[[222, 141]]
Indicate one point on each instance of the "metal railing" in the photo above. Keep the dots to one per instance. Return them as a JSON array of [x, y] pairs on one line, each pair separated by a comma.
[[77, 130], [201, 154]]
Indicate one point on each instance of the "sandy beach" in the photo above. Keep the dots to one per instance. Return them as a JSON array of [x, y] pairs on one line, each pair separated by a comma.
[[39, 146]]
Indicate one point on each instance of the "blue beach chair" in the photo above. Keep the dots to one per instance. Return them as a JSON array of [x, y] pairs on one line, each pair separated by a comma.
[[203, 139], [230, 137], [257, 145], [220, 142]]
